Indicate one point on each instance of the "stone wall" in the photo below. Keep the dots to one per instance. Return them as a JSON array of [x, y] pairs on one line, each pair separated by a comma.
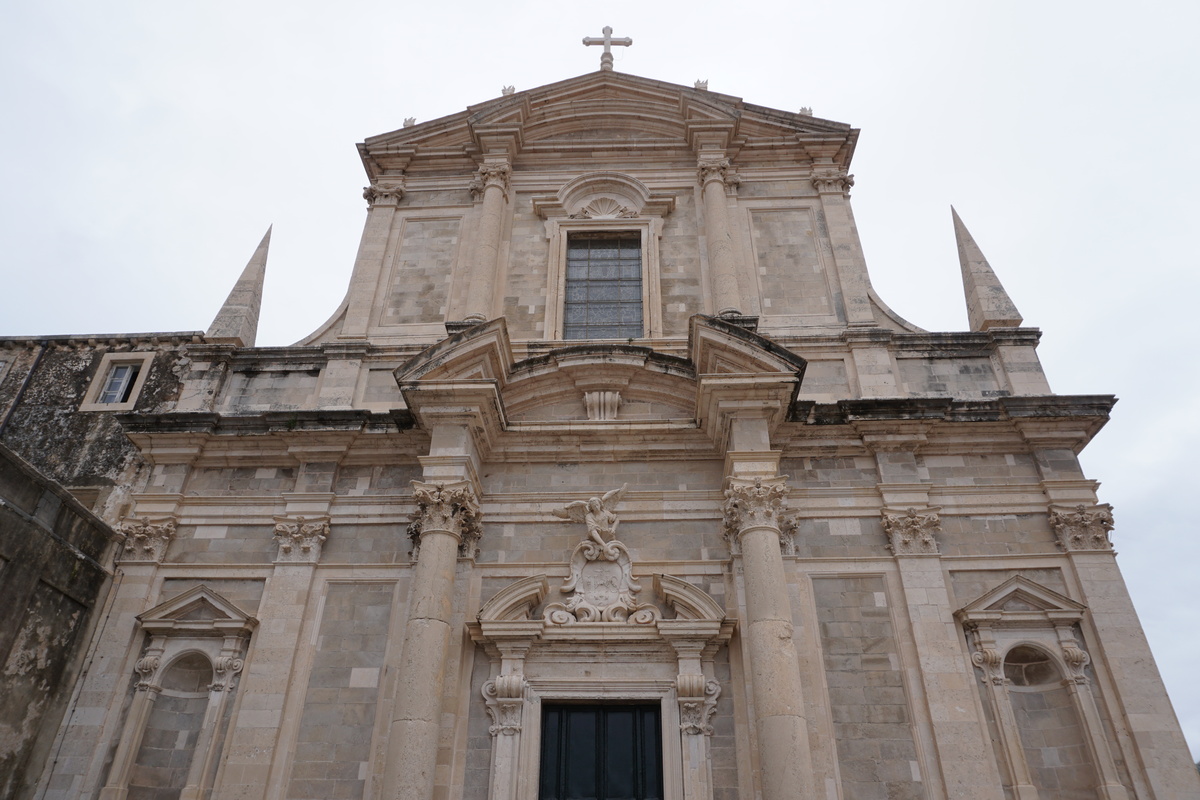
[[54, 575]]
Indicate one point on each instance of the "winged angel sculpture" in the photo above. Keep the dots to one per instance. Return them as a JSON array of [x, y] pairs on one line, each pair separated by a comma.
[[600, 516], [601, 587]]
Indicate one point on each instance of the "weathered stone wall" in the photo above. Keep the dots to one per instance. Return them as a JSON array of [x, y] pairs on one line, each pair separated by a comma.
[[85, 451], [55, 562]]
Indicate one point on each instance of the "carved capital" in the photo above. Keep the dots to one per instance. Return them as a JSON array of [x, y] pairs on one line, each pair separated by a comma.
[[697, 708], [1082, 528], [491, 175], [300, 539], [991, 664], [225, 668], [146, 669], [756, 504], [717, 169], [504, 699], [910, 533], [450, 508], [832, 181], [146, 540], [381, 194]]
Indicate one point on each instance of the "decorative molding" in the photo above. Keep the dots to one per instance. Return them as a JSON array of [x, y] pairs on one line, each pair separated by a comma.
[[756, 504], [300, 539], [605, 208], [380, 194], [450, 508], [146, 539], [491, 175], [1082, 528], [910, 533], [832, 182], [696, 709], [602, 405]]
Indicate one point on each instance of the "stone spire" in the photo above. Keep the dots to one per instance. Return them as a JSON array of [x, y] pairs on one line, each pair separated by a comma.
[[988, 305], [237, 321]]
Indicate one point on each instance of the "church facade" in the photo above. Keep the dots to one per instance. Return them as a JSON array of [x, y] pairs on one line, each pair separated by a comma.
[[611, 477]]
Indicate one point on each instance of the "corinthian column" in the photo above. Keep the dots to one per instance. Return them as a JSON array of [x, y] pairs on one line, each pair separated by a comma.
[[447, 514], [753, 511], [714, 175], [492, 183]]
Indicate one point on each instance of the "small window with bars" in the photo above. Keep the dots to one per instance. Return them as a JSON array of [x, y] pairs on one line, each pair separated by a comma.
[[603, 286]]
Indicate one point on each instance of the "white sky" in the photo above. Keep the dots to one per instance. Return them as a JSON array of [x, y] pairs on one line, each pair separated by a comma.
[[146, 145]]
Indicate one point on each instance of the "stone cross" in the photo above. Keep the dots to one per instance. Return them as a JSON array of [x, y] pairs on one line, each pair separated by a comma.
[[606, 60]]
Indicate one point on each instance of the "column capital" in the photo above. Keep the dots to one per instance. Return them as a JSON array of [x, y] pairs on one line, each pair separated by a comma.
[[910, 532], [491, 174], [755, 504], [832, 181], [1082, 528], [451, 508], [300, 539], [384, 194], [709, 168], [146, 539]]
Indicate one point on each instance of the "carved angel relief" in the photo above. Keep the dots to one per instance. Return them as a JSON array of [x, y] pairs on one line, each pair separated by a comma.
[[601, 587]]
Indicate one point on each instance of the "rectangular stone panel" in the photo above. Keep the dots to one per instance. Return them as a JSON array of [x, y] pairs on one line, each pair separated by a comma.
[[334, 741], [872, 721], [790, 271], [421, 271]]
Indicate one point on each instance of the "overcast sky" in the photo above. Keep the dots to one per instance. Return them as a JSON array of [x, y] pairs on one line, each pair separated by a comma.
[[147, 147]]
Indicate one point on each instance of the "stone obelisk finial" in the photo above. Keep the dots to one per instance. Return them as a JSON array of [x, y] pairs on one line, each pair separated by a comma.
[[988, 305], [606, 59], [237, 321]]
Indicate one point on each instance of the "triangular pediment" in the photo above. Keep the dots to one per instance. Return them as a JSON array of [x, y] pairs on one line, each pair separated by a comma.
[[1020, 601], [607, 106], [198, 611]]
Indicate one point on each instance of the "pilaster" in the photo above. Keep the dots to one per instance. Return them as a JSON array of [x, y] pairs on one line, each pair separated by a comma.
[[383, 197], [962, 752], [833, 187]]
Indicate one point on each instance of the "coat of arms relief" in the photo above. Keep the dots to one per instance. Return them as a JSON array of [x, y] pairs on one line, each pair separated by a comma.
[[601, 587]]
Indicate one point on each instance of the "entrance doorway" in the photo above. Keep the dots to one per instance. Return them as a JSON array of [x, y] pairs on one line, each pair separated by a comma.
[[608, 752]]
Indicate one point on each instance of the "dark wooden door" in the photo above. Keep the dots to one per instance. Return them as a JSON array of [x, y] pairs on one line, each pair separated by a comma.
[[610, 752]]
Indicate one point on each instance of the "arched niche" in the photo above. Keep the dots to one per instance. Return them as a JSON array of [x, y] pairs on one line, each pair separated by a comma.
[[184, 680]]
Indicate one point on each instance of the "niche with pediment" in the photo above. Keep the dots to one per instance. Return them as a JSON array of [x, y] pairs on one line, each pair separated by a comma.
[[184, 681], [1026, 643]]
